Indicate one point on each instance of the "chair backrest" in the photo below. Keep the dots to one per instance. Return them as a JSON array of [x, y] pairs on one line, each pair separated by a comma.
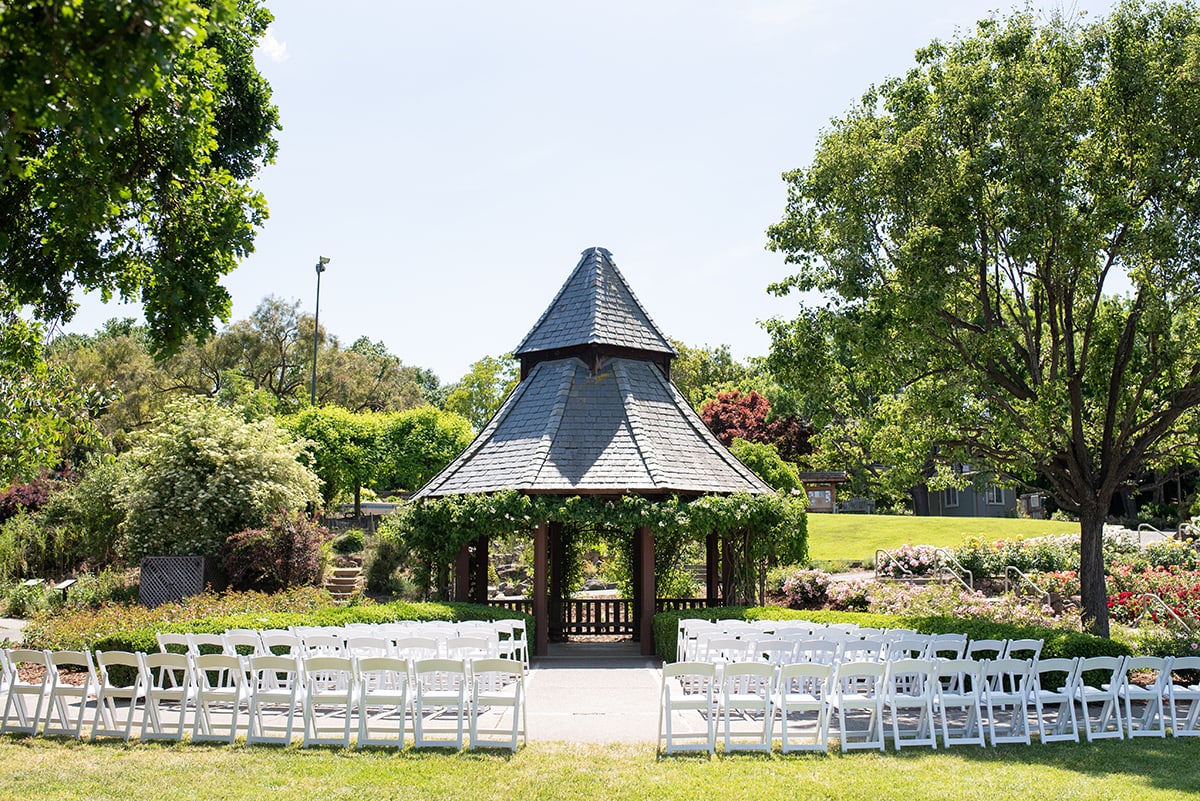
[[73, 659], [704, 670], [469, 648], [218, 672], [166, 670], [1053, 675], [490, 674], [243, 643], [908, 648], [773, 652], [986, 649], [806, 677], [725, 649], [324, 674], [368, 645], [1008, 676], [912, 677], [127, 672], [381, 673], [960, 676], [1023, 649], [323, 644], [169, 641], [819, 651], [862, 650], [948, 646], [440, 673], [858, 678], [1160, 666], [413, 648], [748, 677], [1100, 670], [201, 643], [281, 643]]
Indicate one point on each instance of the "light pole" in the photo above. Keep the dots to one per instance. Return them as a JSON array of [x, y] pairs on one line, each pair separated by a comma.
[[321, 262]]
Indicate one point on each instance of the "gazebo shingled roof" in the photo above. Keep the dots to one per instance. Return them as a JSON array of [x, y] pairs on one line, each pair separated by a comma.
[[595, 412]]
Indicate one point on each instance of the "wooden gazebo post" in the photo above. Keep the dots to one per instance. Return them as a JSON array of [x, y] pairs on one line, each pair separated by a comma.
[[645, 595], [541, 565]]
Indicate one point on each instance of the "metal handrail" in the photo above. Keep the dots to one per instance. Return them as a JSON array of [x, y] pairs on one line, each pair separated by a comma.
[[894, 561], [1147, 527], [948, 560], [1188, 529], [1009, 569], [1149, 596]]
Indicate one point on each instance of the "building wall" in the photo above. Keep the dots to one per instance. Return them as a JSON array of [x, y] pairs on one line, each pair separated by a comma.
[[974, 501]]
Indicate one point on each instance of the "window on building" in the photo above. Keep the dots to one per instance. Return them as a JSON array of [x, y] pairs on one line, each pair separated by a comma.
[[995, 495], [950, 497]]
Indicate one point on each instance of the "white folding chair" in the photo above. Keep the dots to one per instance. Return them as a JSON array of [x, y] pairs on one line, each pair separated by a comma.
[[687, 688], [747, 694], [774, 651], [323, 645], [441, 691], [66, 702], [820, 652], [329, 696], [169, 686], [868, 650], [908, 690], [363, 645], [858, 687], [122, 689], [986, 649], [383, 701], [803, 690], [723, 649], [17, 718], [414, 648], [514, 642], [220, 691], [1053, 692], [276, 692], [497, 684], [1184, 697], [1105, 673], [1006, 690], [1148, 696], [958, 685]]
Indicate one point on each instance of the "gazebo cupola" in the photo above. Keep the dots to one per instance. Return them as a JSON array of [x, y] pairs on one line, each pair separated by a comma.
[[595, 317]]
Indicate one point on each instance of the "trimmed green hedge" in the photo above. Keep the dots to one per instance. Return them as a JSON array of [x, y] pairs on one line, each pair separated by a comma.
[[1057, 642], [143, 639]]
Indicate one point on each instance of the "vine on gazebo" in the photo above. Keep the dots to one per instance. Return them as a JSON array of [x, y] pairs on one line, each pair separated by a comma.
[[756, 528]]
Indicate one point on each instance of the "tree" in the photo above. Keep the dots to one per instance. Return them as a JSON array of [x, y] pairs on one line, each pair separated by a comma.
[[482, 390], [345, 449], [700, 373], [130, 134], [202, 473], [764, 459], [417, 443], [967, 223], [733, 415]]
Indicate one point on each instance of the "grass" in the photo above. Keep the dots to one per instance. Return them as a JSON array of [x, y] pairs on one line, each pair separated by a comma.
[[1146, 770], [854, 538]]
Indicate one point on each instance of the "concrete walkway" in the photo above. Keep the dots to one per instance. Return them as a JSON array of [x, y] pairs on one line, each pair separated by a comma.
[[10, 629], [586, 692]]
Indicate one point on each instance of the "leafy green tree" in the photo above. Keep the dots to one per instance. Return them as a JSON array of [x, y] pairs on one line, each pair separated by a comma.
[[44, 416], [345, 449], [415, 444], [764, 459], [700, 373], [131, 132], [480, 393], [967, 223], [203, 473]]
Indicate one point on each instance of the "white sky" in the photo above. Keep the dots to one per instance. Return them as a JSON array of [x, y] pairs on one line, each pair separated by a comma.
[[452, 159]]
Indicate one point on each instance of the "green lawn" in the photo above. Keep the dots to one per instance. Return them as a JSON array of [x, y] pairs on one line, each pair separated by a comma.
[[854, 538], [1145, 770]]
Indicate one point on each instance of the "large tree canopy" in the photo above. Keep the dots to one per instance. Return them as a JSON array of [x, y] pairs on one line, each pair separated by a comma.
[[128, 135], [969, 223]]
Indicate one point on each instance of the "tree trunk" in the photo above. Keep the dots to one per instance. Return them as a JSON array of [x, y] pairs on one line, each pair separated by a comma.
[[920, 500], [1093, 591]]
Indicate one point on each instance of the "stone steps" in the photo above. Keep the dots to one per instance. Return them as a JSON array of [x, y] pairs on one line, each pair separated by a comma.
[[344, 583]]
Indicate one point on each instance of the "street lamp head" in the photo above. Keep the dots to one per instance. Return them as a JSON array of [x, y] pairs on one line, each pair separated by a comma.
[[321, 262]]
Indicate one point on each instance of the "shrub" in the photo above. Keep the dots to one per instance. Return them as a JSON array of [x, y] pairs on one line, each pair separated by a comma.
[[287, 553], [204, 474], [87, 515], [984, 558], [849, 596], [915, 560], [348, 543], [28, 497], [25, 547], [384, 559], [806, 589]]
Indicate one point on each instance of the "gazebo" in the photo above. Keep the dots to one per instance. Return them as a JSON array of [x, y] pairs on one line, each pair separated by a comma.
[[595, 414]]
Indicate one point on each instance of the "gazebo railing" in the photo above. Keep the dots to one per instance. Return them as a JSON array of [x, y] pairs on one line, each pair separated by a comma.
[[599, 616]]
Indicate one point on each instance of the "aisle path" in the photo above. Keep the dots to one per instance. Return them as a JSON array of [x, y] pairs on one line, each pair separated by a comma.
[[594, 693]]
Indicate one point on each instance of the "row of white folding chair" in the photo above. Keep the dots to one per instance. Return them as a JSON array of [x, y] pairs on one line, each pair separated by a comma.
[[268, 687]]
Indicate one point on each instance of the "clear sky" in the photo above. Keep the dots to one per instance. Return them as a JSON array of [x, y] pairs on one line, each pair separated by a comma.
[[452, 159]]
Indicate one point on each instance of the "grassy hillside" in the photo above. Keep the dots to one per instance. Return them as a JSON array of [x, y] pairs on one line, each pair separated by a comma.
[[854, 538]]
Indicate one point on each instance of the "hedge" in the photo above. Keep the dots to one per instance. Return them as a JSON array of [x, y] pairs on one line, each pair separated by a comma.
[[143, 638]]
